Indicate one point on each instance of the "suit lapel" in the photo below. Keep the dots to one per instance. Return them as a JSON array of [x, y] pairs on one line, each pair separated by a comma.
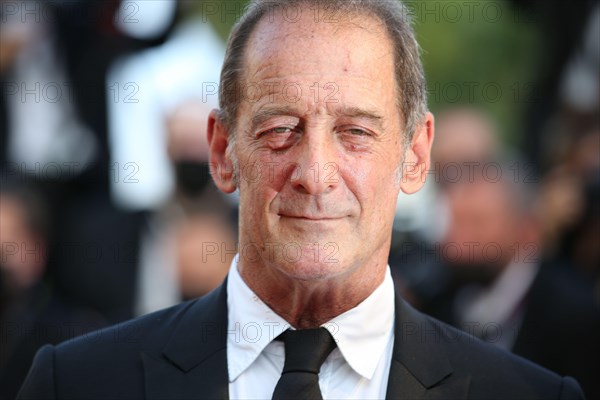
[[193, 364], [420, 368]]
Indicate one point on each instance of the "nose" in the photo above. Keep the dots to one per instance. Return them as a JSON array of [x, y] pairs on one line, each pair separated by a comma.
[[315, 167]]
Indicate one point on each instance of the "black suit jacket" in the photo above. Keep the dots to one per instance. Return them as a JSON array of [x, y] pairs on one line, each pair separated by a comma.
[[559, 329], [42, 317], [180, 353]]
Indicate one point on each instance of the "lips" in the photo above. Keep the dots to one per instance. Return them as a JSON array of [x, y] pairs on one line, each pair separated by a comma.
[[311, 217]]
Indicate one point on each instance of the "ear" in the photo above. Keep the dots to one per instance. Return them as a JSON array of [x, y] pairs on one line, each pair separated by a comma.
[[417, 159], [221, 166]]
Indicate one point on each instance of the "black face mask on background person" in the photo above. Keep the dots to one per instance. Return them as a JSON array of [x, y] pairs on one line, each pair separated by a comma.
[[192, 177]]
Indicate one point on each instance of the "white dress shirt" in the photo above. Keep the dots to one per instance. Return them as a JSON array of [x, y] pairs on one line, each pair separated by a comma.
[[357, 369]]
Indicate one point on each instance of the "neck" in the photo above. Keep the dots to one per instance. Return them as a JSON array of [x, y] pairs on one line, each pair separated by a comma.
[[307, 304]]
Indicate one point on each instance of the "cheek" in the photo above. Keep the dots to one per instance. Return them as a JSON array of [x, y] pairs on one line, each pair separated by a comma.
[[374, 186], [260, 179]]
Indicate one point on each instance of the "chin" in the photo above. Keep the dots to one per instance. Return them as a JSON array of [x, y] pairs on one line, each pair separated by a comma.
[[311, 265], [305, 265]]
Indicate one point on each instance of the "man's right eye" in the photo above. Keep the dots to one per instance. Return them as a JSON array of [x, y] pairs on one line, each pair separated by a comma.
[[281, 129], [280, 137]]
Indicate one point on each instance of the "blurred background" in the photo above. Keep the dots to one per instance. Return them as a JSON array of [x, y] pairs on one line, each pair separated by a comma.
[[108, 211]]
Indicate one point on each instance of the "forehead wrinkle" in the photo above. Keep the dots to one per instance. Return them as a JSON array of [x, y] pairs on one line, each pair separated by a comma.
[[360, 113], [357, 112]]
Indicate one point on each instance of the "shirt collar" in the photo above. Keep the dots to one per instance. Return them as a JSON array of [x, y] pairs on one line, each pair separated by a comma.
[[251, 324], [361, 333]]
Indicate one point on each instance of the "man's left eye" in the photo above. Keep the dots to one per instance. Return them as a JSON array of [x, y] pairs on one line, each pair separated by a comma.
[[358, 132], [355, 131]]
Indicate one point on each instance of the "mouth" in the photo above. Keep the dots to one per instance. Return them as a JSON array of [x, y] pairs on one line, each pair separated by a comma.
[[310, 218]]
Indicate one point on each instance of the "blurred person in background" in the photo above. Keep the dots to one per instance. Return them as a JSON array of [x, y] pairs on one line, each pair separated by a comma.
[[569, 149], [187, 243], [159, 80], [31, 313], [161, 135], [570, 206], [467, 141], [211, 223], [497, 285], [54, 58]]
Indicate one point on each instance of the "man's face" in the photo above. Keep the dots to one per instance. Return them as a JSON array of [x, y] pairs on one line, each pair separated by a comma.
[[485, 227], [318, 146], [22, 268]]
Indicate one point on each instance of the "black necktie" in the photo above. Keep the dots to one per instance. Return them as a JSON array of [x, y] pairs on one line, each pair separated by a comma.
[[305, 352]]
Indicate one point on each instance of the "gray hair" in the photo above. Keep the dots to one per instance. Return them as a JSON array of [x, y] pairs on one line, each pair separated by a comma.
[[410, 78]]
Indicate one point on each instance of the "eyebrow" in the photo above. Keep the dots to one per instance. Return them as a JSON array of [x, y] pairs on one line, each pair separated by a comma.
[[357, 112], [266, 113]]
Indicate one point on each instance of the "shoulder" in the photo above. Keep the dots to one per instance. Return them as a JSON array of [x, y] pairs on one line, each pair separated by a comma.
[[144, 332], [107, 362], [490, 371], [491, 368], [486, 361]]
